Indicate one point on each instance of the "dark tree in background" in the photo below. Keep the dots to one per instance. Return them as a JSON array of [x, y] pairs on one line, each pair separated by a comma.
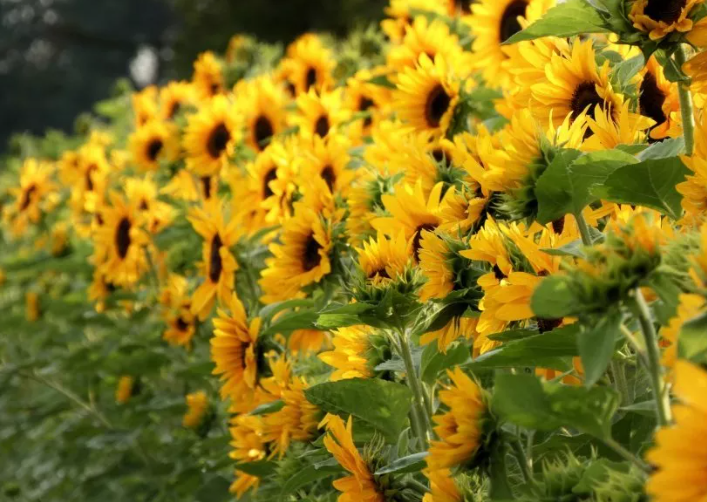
[[58, 57]]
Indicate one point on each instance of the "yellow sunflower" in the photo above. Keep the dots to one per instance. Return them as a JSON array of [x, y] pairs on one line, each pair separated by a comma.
[[694, 188], [360, 485], [197, 408], [307, 341], [261, 102], [690, 306], [348, 357], [153, 142], [234, 348], [459, 428], [124, 389], [574, 85], [208, 78], [628, 129], [329, 161], [660, 18], [219, 265], [247, 438], [308, 65], [33, 198], [33, 310], [383, 260], [181, 187], [181, 323], [427, 95], [299, 259], [144, 105], [434, 258], [120, 242], [363, 96], [142, 194], [679, 456], [400, 13], [456, 328], [659, 101], [385, 140], [320, 114], [443, 488], [175, 97], [494, 22], [211, 136]]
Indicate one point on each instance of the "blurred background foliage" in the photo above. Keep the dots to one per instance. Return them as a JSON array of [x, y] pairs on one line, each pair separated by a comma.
[[58, 57]]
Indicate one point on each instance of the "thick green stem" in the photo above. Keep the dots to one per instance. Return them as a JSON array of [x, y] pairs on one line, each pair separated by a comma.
[[655, 369], [619, 378], [413, 381], [523, 462], [627, 455], [583, 229], [686, 108]]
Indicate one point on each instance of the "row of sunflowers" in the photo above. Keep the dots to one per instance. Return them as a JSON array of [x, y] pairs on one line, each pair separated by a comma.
[[458, 257]]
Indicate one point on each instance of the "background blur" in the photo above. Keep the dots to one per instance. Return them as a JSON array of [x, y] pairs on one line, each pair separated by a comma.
[[58, 57]]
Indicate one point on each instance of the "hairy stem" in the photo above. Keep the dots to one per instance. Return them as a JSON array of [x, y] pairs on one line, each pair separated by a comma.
[[415, 385], [686, 107]]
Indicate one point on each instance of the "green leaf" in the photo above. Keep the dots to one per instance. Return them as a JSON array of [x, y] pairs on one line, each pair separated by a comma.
[[214, 490], [520, 399], [286, 323], [545, 350], [597, 473], [574, 17], [410, 463], [574, 249], [346, 315], [512, 335], [553, 299], [669, 297], [433, 361], [269, 311], [625, 70], [587, 410], [381, 404], [597, 346], [650, 183], [671, 147], [692, 342], [261, 468], [383, 81], [303, 478], [565, 186], [267, 408]]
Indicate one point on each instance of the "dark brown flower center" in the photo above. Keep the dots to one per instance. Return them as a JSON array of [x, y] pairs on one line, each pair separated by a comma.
[[291, 88], [262, 131], [310, 78], [218, 139], [363, 106], [585, 97], [545, 325], [498, 273], [206, 183], [271, 175], [417, 240], [122, 237], [27, 197], [321, 127], [667, 11], [438, 102], [382, 273], [558, 225], [174, 110], [153, 149], [311, 257], [441, 157], [463, 5], [329, 177], [182, 325], [509, 20], [89, 177], [652, 99], [144, 205], [215, 264], [215, 88]]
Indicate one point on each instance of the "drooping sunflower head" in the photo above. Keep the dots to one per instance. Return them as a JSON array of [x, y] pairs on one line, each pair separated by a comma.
[[365, 204], [383, 260], [442, 266], [153, 142], [357, 351], [660, 18], [175, 98], [261, 102], [427, 95], [208, 79], [308, 65], [234, 348], [211, 136]]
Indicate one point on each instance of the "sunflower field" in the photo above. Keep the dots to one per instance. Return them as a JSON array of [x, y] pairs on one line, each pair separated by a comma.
[[458, 257]]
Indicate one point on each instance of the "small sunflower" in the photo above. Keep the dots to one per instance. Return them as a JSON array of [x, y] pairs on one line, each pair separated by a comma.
[[320, 114], [153, 142], [247, 438], [362, 96], [629, 128], [383, 260], [443, 488], [181, 187], [208, 78], [660, 18], [457, 327], [659, 101], [400, 13], [328, 160], [234, 348], [308, 65], [262, 105], [176, 97], [142, 193], [181, 323], [145, 105], [361, 484], [120, 243], [219, 265], [197, 409], [33, 309], [211, 136], [434, 258], [33, 198], [124, 389], [365, 204], [427, 95], [300, 259], [349, 355], [460, 428]]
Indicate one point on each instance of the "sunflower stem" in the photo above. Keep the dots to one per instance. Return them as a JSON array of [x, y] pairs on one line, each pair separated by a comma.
[[655, 370], [626, 455], [413, 380], [583, 229], [620, 383], [686, 108], [154, 277], [523, 462]]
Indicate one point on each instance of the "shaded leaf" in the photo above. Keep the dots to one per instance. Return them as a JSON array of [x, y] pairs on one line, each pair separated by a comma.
[[574, 17]]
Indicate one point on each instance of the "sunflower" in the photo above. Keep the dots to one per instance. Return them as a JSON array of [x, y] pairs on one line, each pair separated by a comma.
[[142, 193], [385, 140], [197, 408], [120, 243], [689, 307], [247, 438], [301, 258], [320, 114], [364, 97], [153, 142], [456, 328], [181, 187], [434, 259], [431, 38], [32, 306], [181, 323], [696, 69], [494, 22], [383, 260], [328, 160], [308, 65], [412, 212], [349, 356], [124, 389], [443, 488], [629, 128], [244, 482], [659, 101], [427, 95], [33, 198], [460, 428], [574, 85], [218, 265], [144, 105], [296, 421], [261, 103], [659, 18], [694, 188], [92, 167], [307, 341], [400, 14], [361, 484], [176, 97], [234, 348], [208, 78], [679, 455]]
